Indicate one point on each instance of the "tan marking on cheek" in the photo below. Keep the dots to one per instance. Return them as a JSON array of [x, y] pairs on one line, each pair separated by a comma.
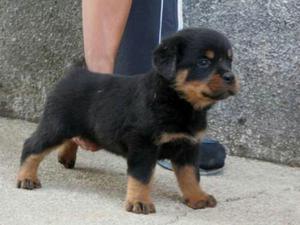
[[181, 77], [192, 90], [193, 94], [210, 54], [216, 83]]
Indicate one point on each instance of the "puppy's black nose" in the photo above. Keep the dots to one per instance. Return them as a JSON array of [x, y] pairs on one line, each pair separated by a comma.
[[228, 77]]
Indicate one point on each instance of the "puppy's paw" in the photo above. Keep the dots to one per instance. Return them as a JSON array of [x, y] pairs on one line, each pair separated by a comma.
[[201, 202], [140, 207], [28, 183], [67, 154], [68, 163]]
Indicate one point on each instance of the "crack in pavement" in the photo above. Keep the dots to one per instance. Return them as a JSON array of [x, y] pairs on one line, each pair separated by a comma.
[[254, 195], [177, 218]]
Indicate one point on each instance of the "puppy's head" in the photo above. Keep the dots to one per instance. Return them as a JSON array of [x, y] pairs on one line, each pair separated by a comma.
[[197, 62]]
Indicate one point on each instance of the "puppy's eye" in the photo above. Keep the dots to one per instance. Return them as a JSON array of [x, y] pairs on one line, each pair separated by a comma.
[[203, 63]]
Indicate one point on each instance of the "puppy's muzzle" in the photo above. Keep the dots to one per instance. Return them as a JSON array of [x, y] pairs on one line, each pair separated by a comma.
[[231, 83], [228, 78], [222, 86]]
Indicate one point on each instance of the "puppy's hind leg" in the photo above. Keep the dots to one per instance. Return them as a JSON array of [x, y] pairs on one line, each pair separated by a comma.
[[33, 153], [41, 143], [67, 154]]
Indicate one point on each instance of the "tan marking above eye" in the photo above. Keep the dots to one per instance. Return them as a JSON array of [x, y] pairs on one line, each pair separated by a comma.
[[210, 54]]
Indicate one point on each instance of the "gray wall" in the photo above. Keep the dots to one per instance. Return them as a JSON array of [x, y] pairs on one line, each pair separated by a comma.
[[39, 38]]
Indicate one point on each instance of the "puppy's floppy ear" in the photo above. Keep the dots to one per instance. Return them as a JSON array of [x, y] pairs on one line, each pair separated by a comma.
[[167, 55]]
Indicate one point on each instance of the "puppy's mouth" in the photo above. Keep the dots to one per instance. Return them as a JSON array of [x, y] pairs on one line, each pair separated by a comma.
[[219, 96]]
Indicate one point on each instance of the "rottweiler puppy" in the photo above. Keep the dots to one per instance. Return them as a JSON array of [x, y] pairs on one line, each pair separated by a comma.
[[144, 118]]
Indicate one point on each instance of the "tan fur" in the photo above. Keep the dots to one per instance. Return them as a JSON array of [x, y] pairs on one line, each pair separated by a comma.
[[216, 83], [138, 198], [193, 195], [210, 54], [192, 90], [29, 167], [188, 183], [199, 135], [137, 191], [67, 151], [169, 137]]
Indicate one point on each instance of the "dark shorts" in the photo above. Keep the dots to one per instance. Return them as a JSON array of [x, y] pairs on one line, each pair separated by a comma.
[[148, 23]]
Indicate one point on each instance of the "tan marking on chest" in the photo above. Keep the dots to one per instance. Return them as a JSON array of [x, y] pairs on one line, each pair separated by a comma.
[[199, 135], [192, 90], [171, 137]]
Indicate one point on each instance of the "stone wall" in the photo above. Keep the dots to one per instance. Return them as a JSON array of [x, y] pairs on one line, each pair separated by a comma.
[[39, 38], [264, 120]]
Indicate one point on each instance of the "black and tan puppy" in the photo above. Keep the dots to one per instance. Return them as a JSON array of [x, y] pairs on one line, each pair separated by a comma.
[[157, 115]]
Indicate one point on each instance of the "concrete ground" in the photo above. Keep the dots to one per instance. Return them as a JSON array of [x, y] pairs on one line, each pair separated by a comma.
[[249, 192]]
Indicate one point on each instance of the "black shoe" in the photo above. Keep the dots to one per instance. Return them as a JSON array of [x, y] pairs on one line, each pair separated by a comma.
[[211, 160]]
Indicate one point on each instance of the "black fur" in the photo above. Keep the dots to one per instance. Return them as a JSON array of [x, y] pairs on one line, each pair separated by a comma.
[[126, 115]]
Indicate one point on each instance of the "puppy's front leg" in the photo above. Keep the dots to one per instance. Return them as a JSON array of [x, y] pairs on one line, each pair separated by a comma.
[[188, 179], [140, 171]]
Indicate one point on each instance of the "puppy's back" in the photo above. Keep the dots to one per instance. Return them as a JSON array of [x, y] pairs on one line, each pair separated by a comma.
[[81, 98]]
